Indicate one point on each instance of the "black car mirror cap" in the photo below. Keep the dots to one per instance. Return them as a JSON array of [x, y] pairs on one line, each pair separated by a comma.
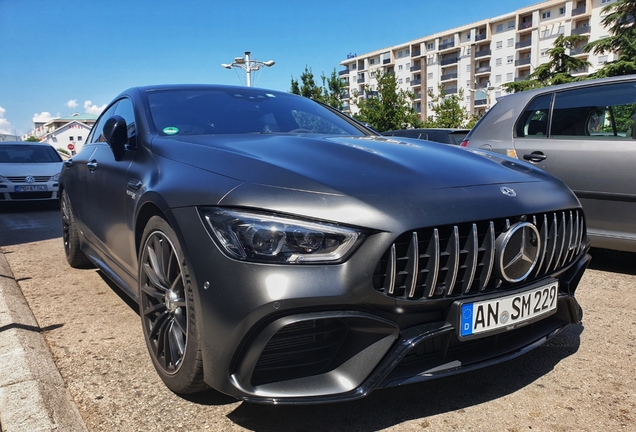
[[116, 134]]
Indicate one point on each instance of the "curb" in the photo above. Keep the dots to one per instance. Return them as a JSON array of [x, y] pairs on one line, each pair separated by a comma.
[[33, 395]]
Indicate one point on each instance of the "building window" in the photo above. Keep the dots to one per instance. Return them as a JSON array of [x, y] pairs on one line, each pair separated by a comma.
[[544, 52], [509, 76], [562, 10], [602, 60], [430, 45], [372, 61], [399, 67], [354, 66], [498, 62], [497, 78], [499, 28], [468, 36], [430, 75], [429, 90], [606, 1], [509, 59], [79, 138], [400, 81], [499, 44], [511, 42], [408, 65], [468, 68], [545, 15], [71, 138], [468, 51], [511, 24], [467, 83]]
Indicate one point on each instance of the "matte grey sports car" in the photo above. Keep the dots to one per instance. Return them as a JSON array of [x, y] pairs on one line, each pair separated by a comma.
[[280, 252]]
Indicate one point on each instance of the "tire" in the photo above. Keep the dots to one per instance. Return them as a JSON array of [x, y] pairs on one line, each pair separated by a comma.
[[74, 255], [167, 310]]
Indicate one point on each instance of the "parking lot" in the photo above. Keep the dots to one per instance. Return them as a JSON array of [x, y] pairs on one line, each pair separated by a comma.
[[582, 380]]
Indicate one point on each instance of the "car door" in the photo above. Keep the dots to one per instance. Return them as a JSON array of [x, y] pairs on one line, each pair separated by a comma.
[[112, 206], [588, 142]]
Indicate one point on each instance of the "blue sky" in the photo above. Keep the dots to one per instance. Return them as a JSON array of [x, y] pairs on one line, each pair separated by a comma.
[[65, 56]]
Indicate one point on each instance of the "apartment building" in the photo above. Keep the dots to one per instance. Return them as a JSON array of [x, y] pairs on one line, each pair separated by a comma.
[[479, 57]]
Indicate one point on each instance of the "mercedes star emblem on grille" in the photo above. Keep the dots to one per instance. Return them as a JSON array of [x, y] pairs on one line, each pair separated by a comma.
[[518, 251], [508, 191]]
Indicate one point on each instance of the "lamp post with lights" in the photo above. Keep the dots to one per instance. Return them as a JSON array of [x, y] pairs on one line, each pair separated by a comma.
[[248, 65]]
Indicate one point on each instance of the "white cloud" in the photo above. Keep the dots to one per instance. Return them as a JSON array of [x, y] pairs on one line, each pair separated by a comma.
[[5, 126], [42, 117], [93, 109], [72, 104]]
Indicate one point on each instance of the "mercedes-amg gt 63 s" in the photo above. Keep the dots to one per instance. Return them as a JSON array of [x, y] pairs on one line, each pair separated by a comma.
[[281, 252]]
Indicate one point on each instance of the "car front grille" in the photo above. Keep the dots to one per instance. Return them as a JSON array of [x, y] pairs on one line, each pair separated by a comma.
[[22, 179], [456, 260]]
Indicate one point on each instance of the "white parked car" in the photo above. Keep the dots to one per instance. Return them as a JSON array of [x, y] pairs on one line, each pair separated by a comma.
[[29, 171]]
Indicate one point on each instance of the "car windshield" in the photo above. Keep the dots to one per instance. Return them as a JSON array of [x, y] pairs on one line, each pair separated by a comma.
[[25, 153], [240, 111]]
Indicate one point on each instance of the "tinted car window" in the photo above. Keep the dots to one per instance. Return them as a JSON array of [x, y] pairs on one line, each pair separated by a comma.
[[125, 110], [595, 113], [24, 153], [218, 111], [534, 120], [96, 133]]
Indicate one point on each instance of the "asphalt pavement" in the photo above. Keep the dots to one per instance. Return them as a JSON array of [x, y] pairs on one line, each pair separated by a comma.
[[33, 395]]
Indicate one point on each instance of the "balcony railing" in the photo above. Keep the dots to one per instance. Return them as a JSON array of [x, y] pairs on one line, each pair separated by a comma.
[[446, 45], [584, 69], [448, 76], [418, 96], [523, 44], [416, 82], [479, 102], [386, 61], [483, 53], [416, 68], [416, 53], [343, 72], [450, 90], [576, 51], [581, 30], [448, 61], [345, 95], [525, 25], [360, 80], [521, 78], [482, 69], [523, 61], [578, 11], [480, 37]]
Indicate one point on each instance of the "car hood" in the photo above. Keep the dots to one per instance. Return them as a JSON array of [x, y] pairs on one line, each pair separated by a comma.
[[33, 169], [343, 165]]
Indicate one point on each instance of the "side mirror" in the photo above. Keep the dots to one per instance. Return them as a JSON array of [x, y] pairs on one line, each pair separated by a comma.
[[116, 134]]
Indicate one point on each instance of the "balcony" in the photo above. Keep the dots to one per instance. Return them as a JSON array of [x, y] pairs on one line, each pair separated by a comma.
[[522, 62], [581, 30], [418, 96], [578, 11], [448, 61], [450, 90], [345, 95], [416, 53], [482, 69], [578, 71], [343, 72], [480, 37], [386, 61], [480, 102], [418, 109], [360, 80], [449, 76], [416, 68], [416, 82], [521, 78], [525, 25], [446, 45], [523, 44], [577, 51], [483, 53]]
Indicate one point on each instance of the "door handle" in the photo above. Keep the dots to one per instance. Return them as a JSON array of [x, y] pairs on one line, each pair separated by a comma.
[[535, 157], [92, 165]]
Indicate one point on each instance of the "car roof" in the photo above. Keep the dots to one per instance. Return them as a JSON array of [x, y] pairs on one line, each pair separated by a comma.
[[25, 143]]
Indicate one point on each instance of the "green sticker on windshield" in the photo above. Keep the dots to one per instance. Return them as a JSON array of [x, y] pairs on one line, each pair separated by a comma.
[[170, 130]]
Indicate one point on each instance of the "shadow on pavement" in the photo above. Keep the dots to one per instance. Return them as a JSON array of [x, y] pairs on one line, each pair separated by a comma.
[[27, 222], [613, 261]]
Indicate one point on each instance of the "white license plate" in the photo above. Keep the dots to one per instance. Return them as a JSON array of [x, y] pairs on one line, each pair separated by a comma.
[[508, 312], [29, 188]]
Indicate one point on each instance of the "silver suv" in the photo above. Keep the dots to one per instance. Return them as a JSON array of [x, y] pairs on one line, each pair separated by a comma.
[[584, 134]]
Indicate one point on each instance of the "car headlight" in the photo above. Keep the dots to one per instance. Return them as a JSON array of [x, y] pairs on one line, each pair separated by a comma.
[[3, 179], [56, 177], [261, 237]]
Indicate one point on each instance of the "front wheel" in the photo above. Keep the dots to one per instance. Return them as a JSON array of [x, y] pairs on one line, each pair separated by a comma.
[[167, 309], [74, 255]]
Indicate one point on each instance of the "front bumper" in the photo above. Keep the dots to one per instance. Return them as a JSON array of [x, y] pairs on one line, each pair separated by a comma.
[[8, 191], [316, 334]]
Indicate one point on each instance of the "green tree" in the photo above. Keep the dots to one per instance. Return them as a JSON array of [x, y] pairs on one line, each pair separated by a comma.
[[388, 107], [557, 70], [619, 20], [332, 89], [448, 110], [32, 139], [307, 86]]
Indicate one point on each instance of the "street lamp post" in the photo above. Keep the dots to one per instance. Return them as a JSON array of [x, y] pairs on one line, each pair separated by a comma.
[[248, 65]]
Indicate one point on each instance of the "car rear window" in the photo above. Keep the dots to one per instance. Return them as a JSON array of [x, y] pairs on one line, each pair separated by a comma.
[[25, 153]]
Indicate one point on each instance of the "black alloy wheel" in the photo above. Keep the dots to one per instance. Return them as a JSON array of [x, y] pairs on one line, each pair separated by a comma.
[[166, 304], [74, 255]]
